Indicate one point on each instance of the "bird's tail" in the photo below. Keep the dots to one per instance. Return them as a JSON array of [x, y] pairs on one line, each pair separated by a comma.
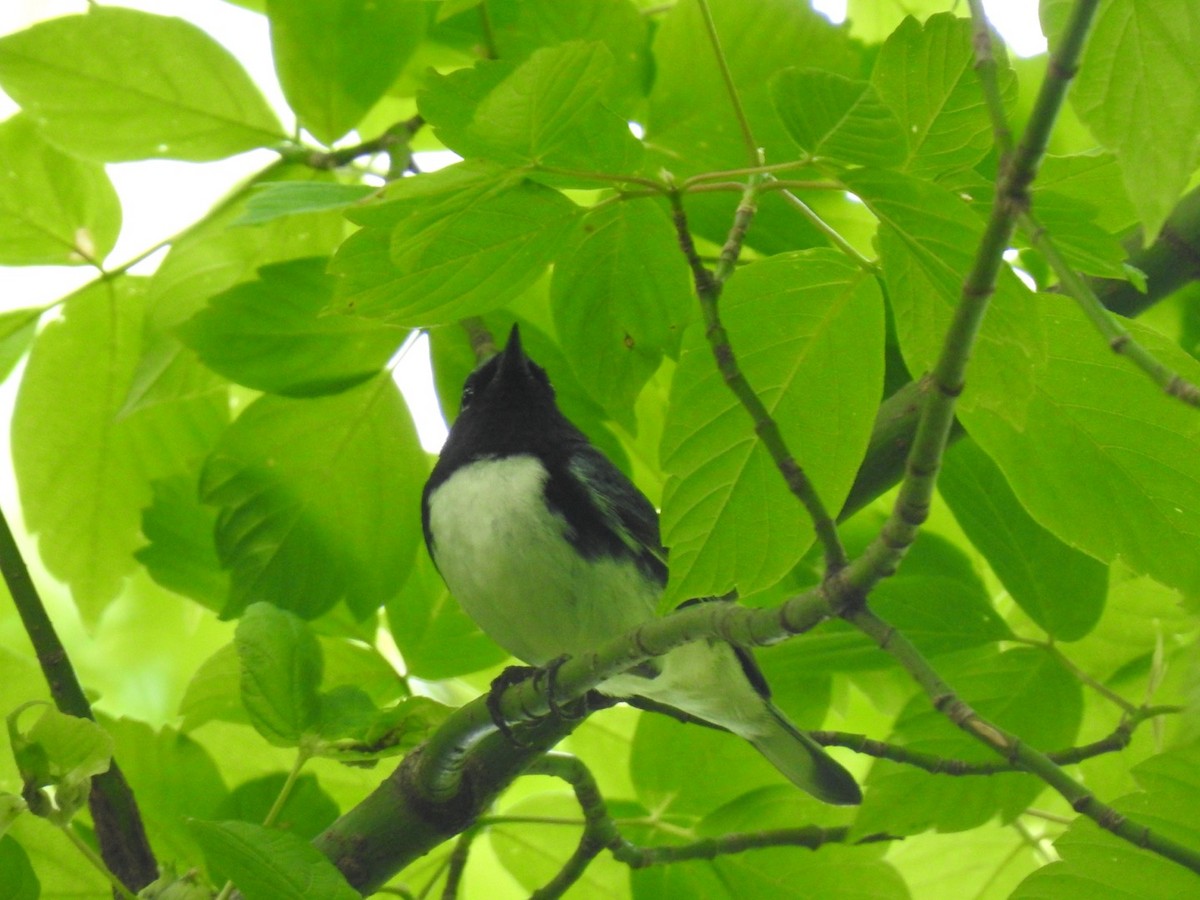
[[803, 760]]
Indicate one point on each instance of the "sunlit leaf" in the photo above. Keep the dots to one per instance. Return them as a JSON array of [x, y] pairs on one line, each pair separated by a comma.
[[119, 84], [54, 209], [315, 499], [792, 320], [335, 58], [269, 864]]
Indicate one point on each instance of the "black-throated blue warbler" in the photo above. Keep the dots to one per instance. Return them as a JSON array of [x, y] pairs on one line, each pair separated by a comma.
[[552, 551]]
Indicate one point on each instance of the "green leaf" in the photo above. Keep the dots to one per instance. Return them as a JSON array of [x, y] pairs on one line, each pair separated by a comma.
[[209, 260], [1128, 451], [54, 210], [281, 672], [269, 334], [621, 297], [119, 84], [451, 8], [1025, 691], [181, 555], [988, 861], [690, 123], [307, 811], [927, 239], [268, 864], [17, 329], [435, 637], [1095, 863], [686, 771], [834, 117], [276, 199], [1058, 587], [549, 111], [336, 58], [469, 253], [59, 751], [935, 599], [1138, 94], [792, 320], [316, 500], [173, 778], [1087, 177], [213, 692], [1070, 224], [11, 808], [534, 853], [523, 27], [926, 75], [84, 470], [18, 881]]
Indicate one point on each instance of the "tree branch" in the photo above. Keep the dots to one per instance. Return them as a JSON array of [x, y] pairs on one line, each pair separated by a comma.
[[1012, 749], [1114, 742], [1118, 337], [115, 815], [948, 377]]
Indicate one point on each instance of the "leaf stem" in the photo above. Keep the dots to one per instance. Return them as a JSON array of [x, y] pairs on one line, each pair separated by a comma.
[[1118, 337], [870, 266], [764, 169], [456, 865], [650, 184], [710, 26], [302, 757]]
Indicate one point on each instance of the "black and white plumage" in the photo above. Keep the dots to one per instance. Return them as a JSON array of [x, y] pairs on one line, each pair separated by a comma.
[[551, 550]]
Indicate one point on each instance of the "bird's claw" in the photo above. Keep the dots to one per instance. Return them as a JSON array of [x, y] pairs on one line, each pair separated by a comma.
[[502, 682]]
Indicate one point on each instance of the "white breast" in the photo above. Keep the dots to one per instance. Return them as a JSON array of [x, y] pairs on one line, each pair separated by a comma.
[[505, 558]]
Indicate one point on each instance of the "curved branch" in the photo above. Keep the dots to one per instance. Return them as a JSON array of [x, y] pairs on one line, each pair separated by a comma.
[[124, 846]]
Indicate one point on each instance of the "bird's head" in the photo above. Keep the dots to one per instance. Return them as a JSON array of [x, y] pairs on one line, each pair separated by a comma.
[[507, 407], [510, 378]]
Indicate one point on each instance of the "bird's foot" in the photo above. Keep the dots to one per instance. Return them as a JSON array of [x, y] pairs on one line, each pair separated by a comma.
[[510, 676], [579, 710]]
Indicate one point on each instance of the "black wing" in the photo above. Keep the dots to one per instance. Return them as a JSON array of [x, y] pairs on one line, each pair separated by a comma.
[[607, 514]]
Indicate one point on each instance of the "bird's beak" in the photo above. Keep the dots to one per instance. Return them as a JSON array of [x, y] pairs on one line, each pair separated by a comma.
[[513, 360]]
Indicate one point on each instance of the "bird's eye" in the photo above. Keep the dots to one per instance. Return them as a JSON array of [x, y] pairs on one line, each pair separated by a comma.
[[468, 395]]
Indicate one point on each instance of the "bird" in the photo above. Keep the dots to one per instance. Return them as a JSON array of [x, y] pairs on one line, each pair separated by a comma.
[[551, 550]]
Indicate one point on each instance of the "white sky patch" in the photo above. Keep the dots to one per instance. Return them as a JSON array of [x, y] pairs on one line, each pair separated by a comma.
[[413, 373], [1015, 20]]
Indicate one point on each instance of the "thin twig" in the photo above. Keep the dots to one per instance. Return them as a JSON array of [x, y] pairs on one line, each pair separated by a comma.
[[708, 290], [1015, 751], [1114, 742], [457, 864], [650, 184]]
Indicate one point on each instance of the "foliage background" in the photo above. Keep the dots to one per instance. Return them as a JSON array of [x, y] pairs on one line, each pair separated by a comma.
[[1055, 584]]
